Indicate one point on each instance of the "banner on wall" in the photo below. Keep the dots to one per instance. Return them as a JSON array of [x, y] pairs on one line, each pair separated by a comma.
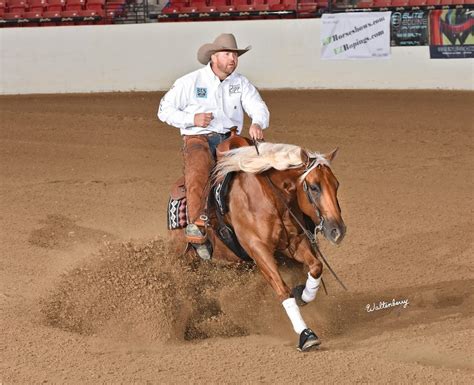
[[452, 34], [355, 35], [409, 28]]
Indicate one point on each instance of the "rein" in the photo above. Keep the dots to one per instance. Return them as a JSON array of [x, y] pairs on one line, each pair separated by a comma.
[[309, 235]]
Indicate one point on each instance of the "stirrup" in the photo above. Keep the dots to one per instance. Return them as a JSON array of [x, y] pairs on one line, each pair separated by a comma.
[[202, 221], [198, 241], [194, 235]]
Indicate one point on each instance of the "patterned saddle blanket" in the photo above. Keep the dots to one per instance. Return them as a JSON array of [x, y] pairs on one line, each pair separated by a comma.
[[178, 216], [177, 209]]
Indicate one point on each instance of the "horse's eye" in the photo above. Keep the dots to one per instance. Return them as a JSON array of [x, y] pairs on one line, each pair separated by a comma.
[[315, 188]]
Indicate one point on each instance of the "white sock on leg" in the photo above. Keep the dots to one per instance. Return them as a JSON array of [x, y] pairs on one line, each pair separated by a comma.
[[311, 288], [294, 315]]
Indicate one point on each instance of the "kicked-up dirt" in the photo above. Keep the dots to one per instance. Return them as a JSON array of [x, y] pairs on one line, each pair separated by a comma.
[[91, 294]]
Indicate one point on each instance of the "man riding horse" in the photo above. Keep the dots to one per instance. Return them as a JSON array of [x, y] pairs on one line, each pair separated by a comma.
[[205, 105], [281, 195]]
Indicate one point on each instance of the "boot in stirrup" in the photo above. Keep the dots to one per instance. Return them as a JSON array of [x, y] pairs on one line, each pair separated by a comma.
[[198, 240]]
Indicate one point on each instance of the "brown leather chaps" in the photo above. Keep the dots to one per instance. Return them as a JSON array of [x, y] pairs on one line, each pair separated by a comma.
[[198, 163]]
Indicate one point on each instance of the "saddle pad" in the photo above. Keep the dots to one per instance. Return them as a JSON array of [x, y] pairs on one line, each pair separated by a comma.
[[177, 213]]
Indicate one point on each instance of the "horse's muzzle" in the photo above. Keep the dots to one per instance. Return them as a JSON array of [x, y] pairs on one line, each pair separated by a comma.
[[334, 231]]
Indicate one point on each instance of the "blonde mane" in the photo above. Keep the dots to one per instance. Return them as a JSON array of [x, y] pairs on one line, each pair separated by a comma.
[[272, 155]]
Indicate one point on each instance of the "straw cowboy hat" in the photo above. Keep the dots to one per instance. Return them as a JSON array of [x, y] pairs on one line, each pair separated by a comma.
[[223, 42]]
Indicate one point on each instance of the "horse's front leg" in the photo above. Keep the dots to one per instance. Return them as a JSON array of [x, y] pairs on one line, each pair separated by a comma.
[[265, 260], [305, 254]]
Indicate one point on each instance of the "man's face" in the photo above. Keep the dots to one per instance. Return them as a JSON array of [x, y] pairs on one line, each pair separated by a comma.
[[224, 63]]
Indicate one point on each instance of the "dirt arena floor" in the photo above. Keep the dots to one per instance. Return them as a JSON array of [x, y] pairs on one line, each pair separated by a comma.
[[90, 294]]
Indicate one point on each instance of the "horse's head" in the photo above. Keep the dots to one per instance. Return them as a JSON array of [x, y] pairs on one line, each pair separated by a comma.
[[296, 172], [317, 195]]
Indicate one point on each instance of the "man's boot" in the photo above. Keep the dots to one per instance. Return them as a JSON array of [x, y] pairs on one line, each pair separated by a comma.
[[198, 240]]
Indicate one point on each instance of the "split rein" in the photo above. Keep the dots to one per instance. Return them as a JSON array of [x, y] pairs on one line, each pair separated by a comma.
[[312, 238]]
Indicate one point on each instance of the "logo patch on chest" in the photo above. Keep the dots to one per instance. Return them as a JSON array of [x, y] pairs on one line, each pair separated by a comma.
[[201, 92], [234, 89]]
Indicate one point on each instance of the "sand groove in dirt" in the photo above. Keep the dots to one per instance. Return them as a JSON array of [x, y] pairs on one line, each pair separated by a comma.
[[89, 292]]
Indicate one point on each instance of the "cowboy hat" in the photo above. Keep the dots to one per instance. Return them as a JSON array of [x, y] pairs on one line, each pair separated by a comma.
[[223, 42]]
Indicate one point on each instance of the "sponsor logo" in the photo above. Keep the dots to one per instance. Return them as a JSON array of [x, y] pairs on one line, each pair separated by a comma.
[[234, 89], [354, 45], [201, 92]]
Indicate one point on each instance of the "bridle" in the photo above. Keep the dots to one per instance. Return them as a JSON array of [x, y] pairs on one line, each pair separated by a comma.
[[312, 199], [309, 194], [319, 228]]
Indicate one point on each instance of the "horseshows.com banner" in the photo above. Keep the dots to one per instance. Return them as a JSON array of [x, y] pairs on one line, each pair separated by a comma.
[[355, 35]]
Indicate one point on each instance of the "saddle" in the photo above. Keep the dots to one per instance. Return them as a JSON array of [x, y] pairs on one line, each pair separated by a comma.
[[234, 141], [217, 202]]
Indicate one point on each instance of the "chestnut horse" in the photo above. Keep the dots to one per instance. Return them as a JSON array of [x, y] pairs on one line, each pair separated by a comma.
[[271, 193]]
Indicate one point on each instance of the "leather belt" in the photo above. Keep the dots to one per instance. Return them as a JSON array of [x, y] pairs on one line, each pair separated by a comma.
[[218, 133]]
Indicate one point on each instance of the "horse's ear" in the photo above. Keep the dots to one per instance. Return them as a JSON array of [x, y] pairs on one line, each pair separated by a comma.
[[332, 155], [305, 158]]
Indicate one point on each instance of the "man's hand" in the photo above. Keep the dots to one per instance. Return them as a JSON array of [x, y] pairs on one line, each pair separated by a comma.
[[203, 119], [256, 132]]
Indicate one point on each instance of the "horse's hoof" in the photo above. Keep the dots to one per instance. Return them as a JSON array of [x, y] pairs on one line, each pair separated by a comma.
[[297, 292], [308, 340]]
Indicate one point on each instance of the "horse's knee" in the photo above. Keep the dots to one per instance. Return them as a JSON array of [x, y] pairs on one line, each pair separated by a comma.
[[283, 294], [270, 271], [316, 269], [279, 286], [281, 289]]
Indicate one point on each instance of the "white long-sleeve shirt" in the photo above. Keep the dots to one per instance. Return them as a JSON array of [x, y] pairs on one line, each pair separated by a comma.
[[202, 91]]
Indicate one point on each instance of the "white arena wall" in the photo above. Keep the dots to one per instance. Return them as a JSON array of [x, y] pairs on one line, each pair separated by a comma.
[[148, 57]]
